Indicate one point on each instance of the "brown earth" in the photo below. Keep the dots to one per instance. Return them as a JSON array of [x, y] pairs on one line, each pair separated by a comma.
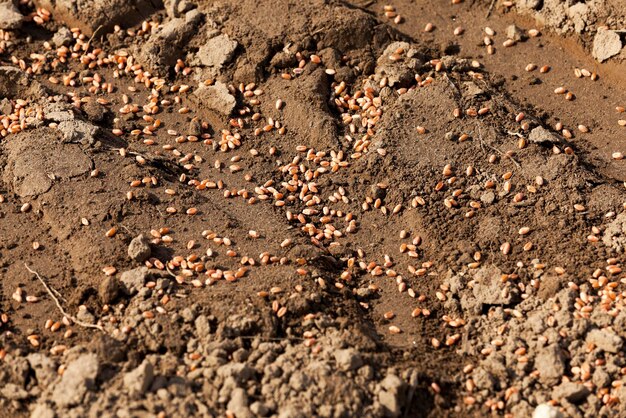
[[243, 208]]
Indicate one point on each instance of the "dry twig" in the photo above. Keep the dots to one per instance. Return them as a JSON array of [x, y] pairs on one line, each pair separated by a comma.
[[53, 293]]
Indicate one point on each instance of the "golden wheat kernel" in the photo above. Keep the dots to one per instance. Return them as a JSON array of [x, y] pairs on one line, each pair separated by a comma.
[[394, 330]]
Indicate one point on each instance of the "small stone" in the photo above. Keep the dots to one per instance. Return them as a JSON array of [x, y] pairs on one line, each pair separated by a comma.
[[79, 376], [550, 364], [203, 328], [10, 16], [44, 367], [13, 392], [195, 127], [488, 288], [488, 198], [606, 44], [238, 403], [605, 340], [398, 70], [579, 14], [177, 8], [601, 378], [109, 290], [139, 380], [84, 315], [348, 359], [391, 397], [62, 37], [217, 52], [540, 134], [573, 392], [514, 33], [216, 97], [614, 235], [546, 411], [134, 279], [42, 411], [529, 4], [94, 111], [378, 192], [259, 409], [139, 249]]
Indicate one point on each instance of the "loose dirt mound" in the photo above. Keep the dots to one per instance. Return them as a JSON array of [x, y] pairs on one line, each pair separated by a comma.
[[324, 208]]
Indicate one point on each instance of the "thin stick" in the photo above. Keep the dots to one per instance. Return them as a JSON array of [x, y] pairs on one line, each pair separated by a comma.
[[91, 39], [493, 3], [52, 292]]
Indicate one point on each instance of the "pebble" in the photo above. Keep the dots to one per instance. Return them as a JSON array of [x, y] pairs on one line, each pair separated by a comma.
[[134, 280], [605, 340], [139, 380], [514, 33], [546, 411], [348, 359], [606, 43], [78, 378], [109, 289], [139, 248]]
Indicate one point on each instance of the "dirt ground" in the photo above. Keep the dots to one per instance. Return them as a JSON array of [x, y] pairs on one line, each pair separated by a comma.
[[323, 208]]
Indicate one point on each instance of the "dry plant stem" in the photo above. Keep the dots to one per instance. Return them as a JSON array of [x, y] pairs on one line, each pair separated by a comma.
[[53, 293], [493, 3], [91, 39]]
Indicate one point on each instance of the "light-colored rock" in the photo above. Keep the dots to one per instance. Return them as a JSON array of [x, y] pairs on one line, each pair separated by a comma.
[[540, 134], [514, 33], [63, 36], [216, 97], [391, 396], [10, 16], [42, 411], [578, 13], [138, 381], [546, 411], [217, 52], [550, 363], [488, 288], [606, 44], [348, 359], [605, 339], [134, 279], [139, 248], [79, 377], [614, 235]]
